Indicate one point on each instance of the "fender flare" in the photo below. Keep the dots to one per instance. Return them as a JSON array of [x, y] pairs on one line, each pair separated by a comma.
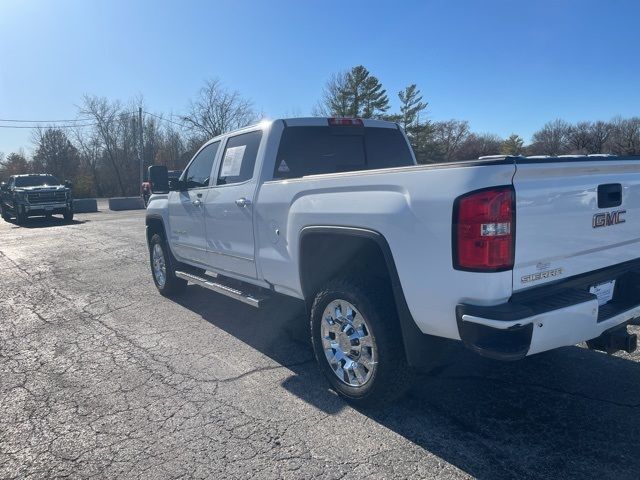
[[416, 343]]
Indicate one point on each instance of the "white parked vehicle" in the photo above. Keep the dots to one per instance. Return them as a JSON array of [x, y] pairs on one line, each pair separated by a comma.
[[512, 255]]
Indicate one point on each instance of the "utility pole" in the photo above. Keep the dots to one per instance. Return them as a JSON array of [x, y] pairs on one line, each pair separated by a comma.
[[141, 148]]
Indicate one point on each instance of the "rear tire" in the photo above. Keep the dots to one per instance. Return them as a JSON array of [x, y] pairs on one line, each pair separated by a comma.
[[163, 268], [357, 342]]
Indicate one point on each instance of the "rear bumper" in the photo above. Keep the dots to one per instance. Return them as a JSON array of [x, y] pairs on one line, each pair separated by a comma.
[[550, 317]]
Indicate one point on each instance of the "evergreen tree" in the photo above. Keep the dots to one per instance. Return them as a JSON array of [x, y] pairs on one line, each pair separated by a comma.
[[514, 145], [55, 154], [14, 164], [355, 93], [411, 105]]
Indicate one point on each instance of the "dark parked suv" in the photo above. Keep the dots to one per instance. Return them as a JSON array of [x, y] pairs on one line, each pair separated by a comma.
[[30, 195]]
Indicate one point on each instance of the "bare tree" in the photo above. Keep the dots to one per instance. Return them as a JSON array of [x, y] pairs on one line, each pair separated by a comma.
[[552, 139], [450, 135], [599, 136], [89, 144], [580, 138], [171, 149], [335, 97], [218, 110], [625, 136], [476, 145], [107, 117]]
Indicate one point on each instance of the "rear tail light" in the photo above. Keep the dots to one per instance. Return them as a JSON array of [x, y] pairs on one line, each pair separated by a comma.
[[484, 230], [356, 122]]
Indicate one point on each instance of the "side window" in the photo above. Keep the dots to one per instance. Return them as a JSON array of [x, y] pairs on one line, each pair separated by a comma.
[[239, 158], [199, 170]]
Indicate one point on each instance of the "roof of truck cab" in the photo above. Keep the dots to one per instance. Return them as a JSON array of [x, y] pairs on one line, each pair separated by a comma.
[[324, 122], [298, 122]]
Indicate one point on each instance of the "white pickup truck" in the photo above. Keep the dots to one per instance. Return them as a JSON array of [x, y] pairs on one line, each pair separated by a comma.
[[512, 255]]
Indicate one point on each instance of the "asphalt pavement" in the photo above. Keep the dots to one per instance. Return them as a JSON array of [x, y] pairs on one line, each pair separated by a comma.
[[102, 377]]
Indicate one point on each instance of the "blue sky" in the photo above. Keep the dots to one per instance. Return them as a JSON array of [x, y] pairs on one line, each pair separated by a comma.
[[505, 66]]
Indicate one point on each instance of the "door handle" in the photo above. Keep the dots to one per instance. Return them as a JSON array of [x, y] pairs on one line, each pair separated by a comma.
[[243, 202], [609, 195], [197, 203]]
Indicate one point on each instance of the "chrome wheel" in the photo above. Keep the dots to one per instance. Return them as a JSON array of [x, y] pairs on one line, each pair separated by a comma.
[[158, 264], [348, 343]]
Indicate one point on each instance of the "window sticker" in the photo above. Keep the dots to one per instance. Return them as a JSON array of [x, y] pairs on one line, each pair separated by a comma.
[[232, 161], [283, 167]]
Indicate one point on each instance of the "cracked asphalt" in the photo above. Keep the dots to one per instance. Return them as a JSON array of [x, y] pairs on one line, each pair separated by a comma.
[[102, 377]]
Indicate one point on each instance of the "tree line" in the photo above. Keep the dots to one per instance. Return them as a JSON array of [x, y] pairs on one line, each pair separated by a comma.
[[100, 150], [358, 93]]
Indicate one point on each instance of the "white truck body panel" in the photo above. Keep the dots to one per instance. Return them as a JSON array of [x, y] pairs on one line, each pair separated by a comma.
[[555, 205], [412, 208]]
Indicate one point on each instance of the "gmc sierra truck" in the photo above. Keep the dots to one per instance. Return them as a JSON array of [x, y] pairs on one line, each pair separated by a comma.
[[30, 195], [511, 255]]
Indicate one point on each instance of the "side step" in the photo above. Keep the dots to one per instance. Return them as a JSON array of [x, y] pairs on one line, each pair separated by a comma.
[[250, 298]]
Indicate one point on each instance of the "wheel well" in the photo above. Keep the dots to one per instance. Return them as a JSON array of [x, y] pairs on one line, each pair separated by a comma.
[[327, 255], [154, 225]]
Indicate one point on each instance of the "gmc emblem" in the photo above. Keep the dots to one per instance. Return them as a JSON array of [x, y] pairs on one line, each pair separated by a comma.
[[609, 218]]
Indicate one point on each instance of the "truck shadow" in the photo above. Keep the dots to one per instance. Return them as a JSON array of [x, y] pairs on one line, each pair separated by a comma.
[[44, 222], [571, 413]]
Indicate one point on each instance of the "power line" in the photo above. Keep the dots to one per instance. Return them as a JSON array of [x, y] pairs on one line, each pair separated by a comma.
[[54, 126], [44, 121], [165, 119], [38, 123]]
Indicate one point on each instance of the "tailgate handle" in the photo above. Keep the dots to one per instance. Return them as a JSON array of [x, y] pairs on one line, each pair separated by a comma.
[[609, 195]]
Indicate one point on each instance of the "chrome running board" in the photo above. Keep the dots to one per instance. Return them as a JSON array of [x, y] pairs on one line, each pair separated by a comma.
[[253, 299]]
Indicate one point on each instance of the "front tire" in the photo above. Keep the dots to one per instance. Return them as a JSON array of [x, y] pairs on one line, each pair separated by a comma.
[[5, 215], [21, 216], [357, 342], [163, 268], [68, 215]]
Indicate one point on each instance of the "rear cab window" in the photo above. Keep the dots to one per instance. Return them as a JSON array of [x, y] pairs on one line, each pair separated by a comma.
[[313, 150]]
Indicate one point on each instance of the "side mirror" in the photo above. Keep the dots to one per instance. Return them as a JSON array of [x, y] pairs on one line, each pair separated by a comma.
[[3, 186], [175, 185], [159, 179], [68, 183]]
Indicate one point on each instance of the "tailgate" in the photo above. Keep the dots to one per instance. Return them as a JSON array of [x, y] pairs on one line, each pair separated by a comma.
[[574, 216]]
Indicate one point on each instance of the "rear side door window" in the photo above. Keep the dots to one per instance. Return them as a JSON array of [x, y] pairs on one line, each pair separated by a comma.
[[199, 171], [239, 158]]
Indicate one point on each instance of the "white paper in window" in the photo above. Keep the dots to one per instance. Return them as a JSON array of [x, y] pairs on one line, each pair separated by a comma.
[[232, 161]]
